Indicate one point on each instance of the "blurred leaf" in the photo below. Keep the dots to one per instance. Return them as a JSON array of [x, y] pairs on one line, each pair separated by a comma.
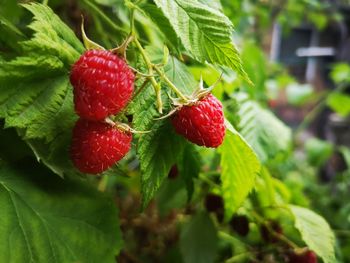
[[340, 103], [341, 73], [40, 221], [198, 240], [298, 94], [281, 190], [320, 20], [190, 167], [267, 135], [205, 32], [10, 35], [346, 154], [316, 232], [239, 166], [255, 64], [171, 195], [318, 151], [157, 151], [10, 10]]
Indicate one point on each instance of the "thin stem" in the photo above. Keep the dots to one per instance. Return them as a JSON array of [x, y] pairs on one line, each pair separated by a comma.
[[132, 21], [104, 17], [321, 104], [140, 89], [207, 180], [154, 83], [279, 236], [45, 2], [171, 85]]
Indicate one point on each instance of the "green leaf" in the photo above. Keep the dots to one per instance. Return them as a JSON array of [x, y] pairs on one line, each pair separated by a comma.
[[157, 151], [156, 15], [255, 64], [9, 34], [316, 232], [40, 221], [240, 166], [346, 154], [215, 4], [175, 70], [35, 91], [341, 73], [299, 94], [318, 151], [52, 36], [204, 31], [189, 167], [263, 131], [171, 195], [340, 103], [198, 240]]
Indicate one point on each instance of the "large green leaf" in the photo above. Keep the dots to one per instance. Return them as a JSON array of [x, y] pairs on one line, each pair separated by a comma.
[[54, 220], [158, 151], [262, 129], [198, 240], [316, 232], [35, 91], [239, 165], [204, 31]]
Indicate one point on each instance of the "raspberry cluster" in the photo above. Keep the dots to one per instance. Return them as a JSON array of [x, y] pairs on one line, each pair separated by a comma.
[[102, 84]]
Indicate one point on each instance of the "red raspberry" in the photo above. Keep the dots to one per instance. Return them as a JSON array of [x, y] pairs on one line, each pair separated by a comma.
[[201, 123], [96, 146], [103, 84], [308, 257]]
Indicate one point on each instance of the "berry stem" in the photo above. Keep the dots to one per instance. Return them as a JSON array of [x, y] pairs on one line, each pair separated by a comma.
[[277, 235], [154, 83], [171, 85], [108, 21]]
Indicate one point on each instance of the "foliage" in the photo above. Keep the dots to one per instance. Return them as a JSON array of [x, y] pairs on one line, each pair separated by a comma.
[[261, 172]]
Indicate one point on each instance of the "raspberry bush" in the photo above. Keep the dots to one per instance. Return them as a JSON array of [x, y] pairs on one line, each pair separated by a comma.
[[146, 139]]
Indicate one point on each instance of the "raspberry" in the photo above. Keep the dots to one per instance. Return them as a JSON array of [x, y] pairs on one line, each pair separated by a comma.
[[307, 257], [214, 203], [96, 146], [103, 84], [201, 123]]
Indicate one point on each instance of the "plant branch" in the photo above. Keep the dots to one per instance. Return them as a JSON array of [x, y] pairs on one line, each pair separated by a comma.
[[154, 83], [170, 84], [107, 20], [277, 235]]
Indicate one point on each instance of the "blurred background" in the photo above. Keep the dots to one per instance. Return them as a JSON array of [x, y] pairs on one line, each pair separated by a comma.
[[297, 53]]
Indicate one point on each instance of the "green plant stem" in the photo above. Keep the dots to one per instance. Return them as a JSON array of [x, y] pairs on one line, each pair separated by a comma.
[[321, 104], [279, 236], [108, 21], [45, 2], [170, 84], [154, 83]]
